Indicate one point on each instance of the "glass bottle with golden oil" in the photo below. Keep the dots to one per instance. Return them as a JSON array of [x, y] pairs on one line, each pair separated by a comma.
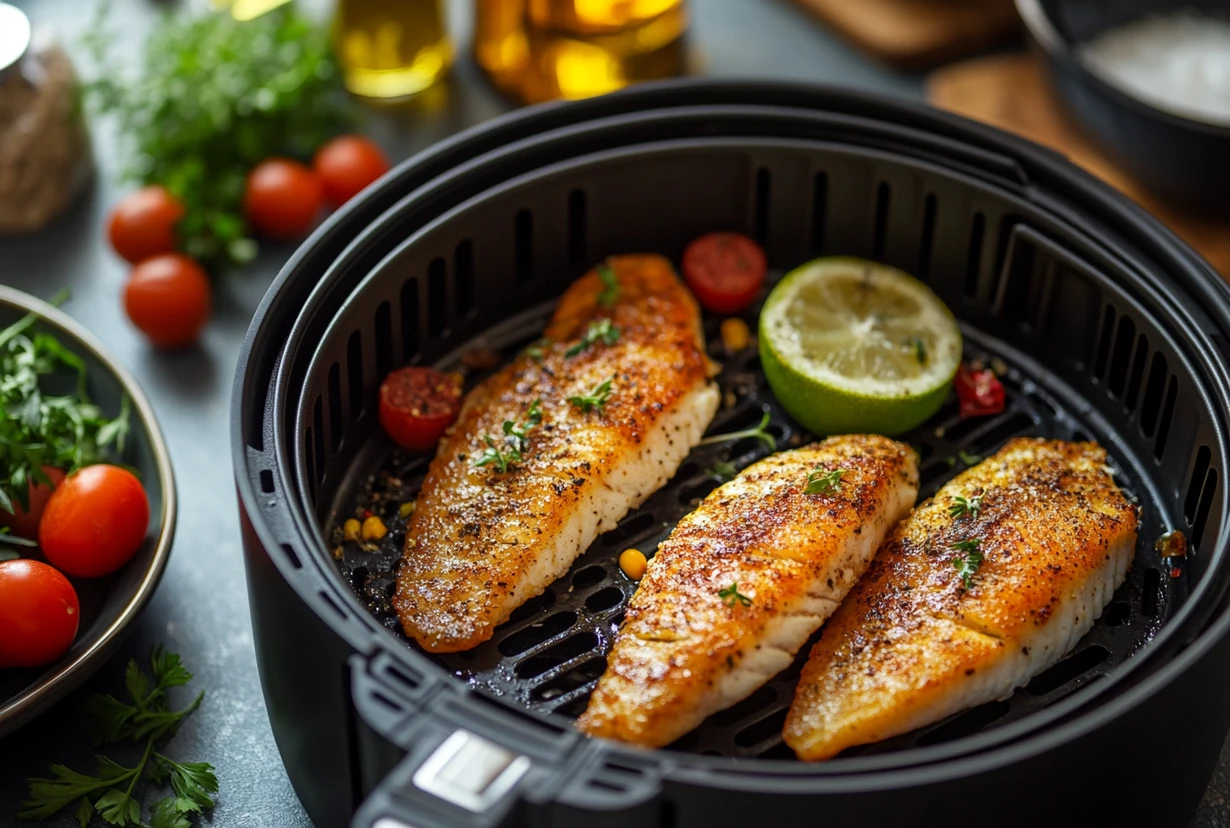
[[539, 50], [391, 48]]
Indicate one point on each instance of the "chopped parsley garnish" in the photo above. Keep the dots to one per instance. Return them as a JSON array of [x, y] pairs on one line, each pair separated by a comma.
[[600, 331], [610, 286], [968, 562], [824, 482], [759, 433], [536, 348], [731, 596], [516, 441], [965, 506], [596, 399], [722, 471]]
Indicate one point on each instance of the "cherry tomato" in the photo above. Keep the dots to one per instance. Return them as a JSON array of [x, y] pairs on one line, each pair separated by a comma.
[[348, 164], [417, 405], [94, 521], [979, 391], [24, 522], [39, 614], [167, 297], [724, 270], [282, 199], [143, 223]]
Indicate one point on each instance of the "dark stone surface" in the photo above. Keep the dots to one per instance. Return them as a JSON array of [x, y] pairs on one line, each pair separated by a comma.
[[201, 609]]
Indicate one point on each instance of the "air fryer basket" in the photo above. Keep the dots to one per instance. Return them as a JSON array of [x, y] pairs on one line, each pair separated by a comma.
[[1112, 331]]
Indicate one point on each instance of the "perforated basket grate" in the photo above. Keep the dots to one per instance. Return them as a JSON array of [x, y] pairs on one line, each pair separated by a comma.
[[550, 654]]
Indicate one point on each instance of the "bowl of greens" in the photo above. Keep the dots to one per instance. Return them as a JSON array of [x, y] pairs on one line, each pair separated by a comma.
[[87, 505]]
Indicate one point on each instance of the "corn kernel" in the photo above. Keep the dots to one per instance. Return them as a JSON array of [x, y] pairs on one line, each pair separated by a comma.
[[406, 509], [350, 530], [633, 563], [374, 529], [735, 335]]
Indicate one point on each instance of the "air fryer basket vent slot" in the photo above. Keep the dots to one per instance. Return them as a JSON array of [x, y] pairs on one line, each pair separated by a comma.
[[1078, 352]]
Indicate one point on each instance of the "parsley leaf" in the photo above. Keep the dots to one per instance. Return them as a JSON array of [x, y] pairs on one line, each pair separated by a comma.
[[610, 286], [600, 331], [596, 399], [503, 459], [732, 596], [969, 561], [965, 506], [759, 433], [517, 435], [824, 482]]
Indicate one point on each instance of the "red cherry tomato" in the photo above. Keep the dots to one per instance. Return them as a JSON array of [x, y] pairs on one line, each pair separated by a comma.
[[168, 298], [39, 614], [417, 405], [143, 223], [94, 521], [24, 522], [282, 199], [724, 270], [348, 164], [979, 391]]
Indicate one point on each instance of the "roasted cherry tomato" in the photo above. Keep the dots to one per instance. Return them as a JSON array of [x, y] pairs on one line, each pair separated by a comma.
[[346, 165], [39, 614], [724, 270], [94, 521], [282, 199], [168, 298], [143, 223], [24, 522], [979, 391], [417, 405]]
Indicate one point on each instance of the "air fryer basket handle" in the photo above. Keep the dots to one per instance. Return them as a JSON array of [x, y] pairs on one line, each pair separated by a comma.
[[468, 766]]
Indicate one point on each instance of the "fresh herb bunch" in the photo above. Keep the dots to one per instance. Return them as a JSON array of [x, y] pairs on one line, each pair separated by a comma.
[[212, 98], [111, 793], [40, 428]]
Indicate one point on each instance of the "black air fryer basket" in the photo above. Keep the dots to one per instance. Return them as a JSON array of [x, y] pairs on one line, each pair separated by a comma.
[[1111, 330]]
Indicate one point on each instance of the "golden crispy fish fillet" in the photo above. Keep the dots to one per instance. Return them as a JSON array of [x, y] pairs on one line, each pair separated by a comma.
[[912, 644], [482, 541], [690, 645]]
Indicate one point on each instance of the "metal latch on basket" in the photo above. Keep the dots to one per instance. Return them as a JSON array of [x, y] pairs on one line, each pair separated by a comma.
[[470, 771]]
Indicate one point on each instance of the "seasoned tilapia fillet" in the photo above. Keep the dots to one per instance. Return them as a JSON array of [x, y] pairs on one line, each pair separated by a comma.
[[483, 541], [912, 645], [690, 646]]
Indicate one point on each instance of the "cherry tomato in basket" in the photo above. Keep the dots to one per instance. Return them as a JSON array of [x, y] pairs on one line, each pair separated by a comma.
[[24, 522], [346, 165], [417, 405], [39, 614], [168, 298], [282, 199], [143, 223], [979, 391], [724, 270], [94, 521]]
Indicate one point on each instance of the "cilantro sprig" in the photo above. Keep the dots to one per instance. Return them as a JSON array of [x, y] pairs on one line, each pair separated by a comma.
[[969, 561], [112, 791], [42, 425], [600, 331], [759, 432], [596, 399], [822, 481]]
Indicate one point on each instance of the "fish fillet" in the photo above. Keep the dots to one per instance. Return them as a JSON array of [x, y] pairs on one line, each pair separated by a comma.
[[912, 645], [689, 645], [482, 541]]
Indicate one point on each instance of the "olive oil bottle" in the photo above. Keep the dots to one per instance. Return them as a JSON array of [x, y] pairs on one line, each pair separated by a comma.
[[391, 48], [539, 50]]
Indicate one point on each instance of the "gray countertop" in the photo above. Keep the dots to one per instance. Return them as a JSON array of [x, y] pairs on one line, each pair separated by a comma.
[[201, 608]]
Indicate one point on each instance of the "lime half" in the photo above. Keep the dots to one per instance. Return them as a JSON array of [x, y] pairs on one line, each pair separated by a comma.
[[849, 345]]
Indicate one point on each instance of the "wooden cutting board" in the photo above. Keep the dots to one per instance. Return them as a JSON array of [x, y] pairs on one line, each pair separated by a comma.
[[1012, 92], [919, 34]]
